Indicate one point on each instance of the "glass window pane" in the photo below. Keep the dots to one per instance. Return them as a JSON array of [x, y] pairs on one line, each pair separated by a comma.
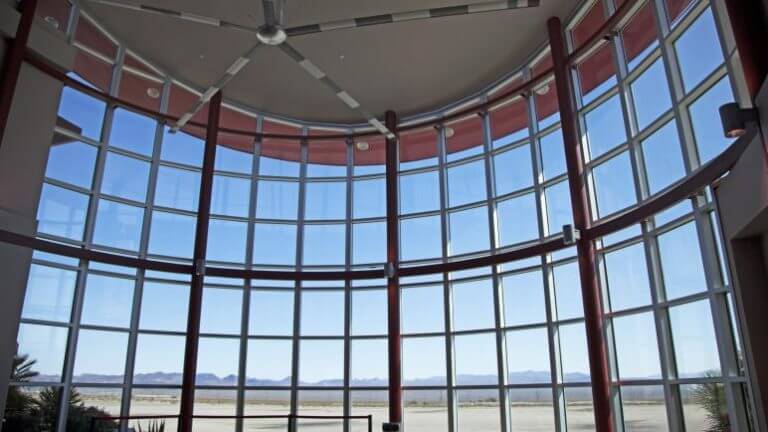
[[165, 401], [478, 410], [49, 293], [698, 50], [214, 402], [217, 361], [420, 238], [517, 220], [321, 362], [424, 361], [133, 132], [369, 362], [705, 119], [269, 362], [159, 356], [96, 401], [320, 403], [513, 170], [274, 244], [681, 263], [650, 94], [177, 188], [473, 305], [369, 402], [573, 353], [322, 313], [528, 356], [84, 112], [422, 309], [476, 359], [552, 154], [125, 177], [100, 353], [326, 200], [182, 148], [614, 185], [164, 306], [579, 409], [369, 312], [172, 234], [71, 161], [469, 231], [559, 211], [221, 311], [705, 407], [627, 277], [425, 410], [226, 240], [107, 301], [118, 225], [568, 291], [369, 198], [45, 345], [694, 340], [324, 244], [369, 243], [231, 196], [62, 212], [277, 200], [419, 192], [531, 409], [232, 160], [524, 298], [466, 183], [644, 405], [605, 127], [663, 158], [269, 166], [271, 313], [637, 353]]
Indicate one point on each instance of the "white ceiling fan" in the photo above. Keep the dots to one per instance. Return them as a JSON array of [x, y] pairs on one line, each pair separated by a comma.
[[274, 33]]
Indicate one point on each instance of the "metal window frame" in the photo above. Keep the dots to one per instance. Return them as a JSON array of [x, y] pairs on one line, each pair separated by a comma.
[[680, 103]]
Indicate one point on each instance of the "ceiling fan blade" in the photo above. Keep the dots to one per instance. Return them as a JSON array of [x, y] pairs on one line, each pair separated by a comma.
[[468, 9], [225, 78], [179, 15], [345, 97]]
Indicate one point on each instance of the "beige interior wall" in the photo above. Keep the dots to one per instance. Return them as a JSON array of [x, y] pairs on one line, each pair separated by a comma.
[[23, 157]]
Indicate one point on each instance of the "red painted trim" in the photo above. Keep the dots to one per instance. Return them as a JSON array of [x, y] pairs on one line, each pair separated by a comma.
[[201, 244], [12, 64], [393, 282], [610, 25], [593, 309]]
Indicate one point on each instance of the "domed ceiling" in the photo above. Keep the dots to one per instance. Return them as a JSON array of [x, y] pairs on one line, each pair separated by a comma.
[[410, 67]]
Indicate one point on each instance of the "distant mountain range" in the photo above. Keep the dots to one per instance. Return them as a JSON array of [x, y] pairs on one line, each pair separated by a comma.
[[209, 379], [544, 394]]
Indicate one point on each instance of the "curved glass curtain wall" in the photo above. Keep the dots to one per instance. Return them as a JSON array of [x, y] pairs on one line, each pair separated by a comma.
[[500, 348]]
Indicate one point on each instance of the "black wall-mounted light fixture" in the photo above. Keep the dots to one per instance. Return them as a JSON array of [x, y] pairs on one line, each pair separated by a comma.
[[735, 119]]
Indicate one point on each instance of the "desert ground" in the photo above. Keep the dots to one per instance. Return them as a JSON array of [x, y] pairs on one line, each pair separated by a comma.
[[639, 416]]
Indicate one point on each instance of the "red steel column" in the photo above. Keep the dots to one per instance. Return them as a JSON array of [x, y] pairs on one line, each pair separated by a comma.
[[590, 291], [393, 283], [13, 60], [201, 243], [748, 21]]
